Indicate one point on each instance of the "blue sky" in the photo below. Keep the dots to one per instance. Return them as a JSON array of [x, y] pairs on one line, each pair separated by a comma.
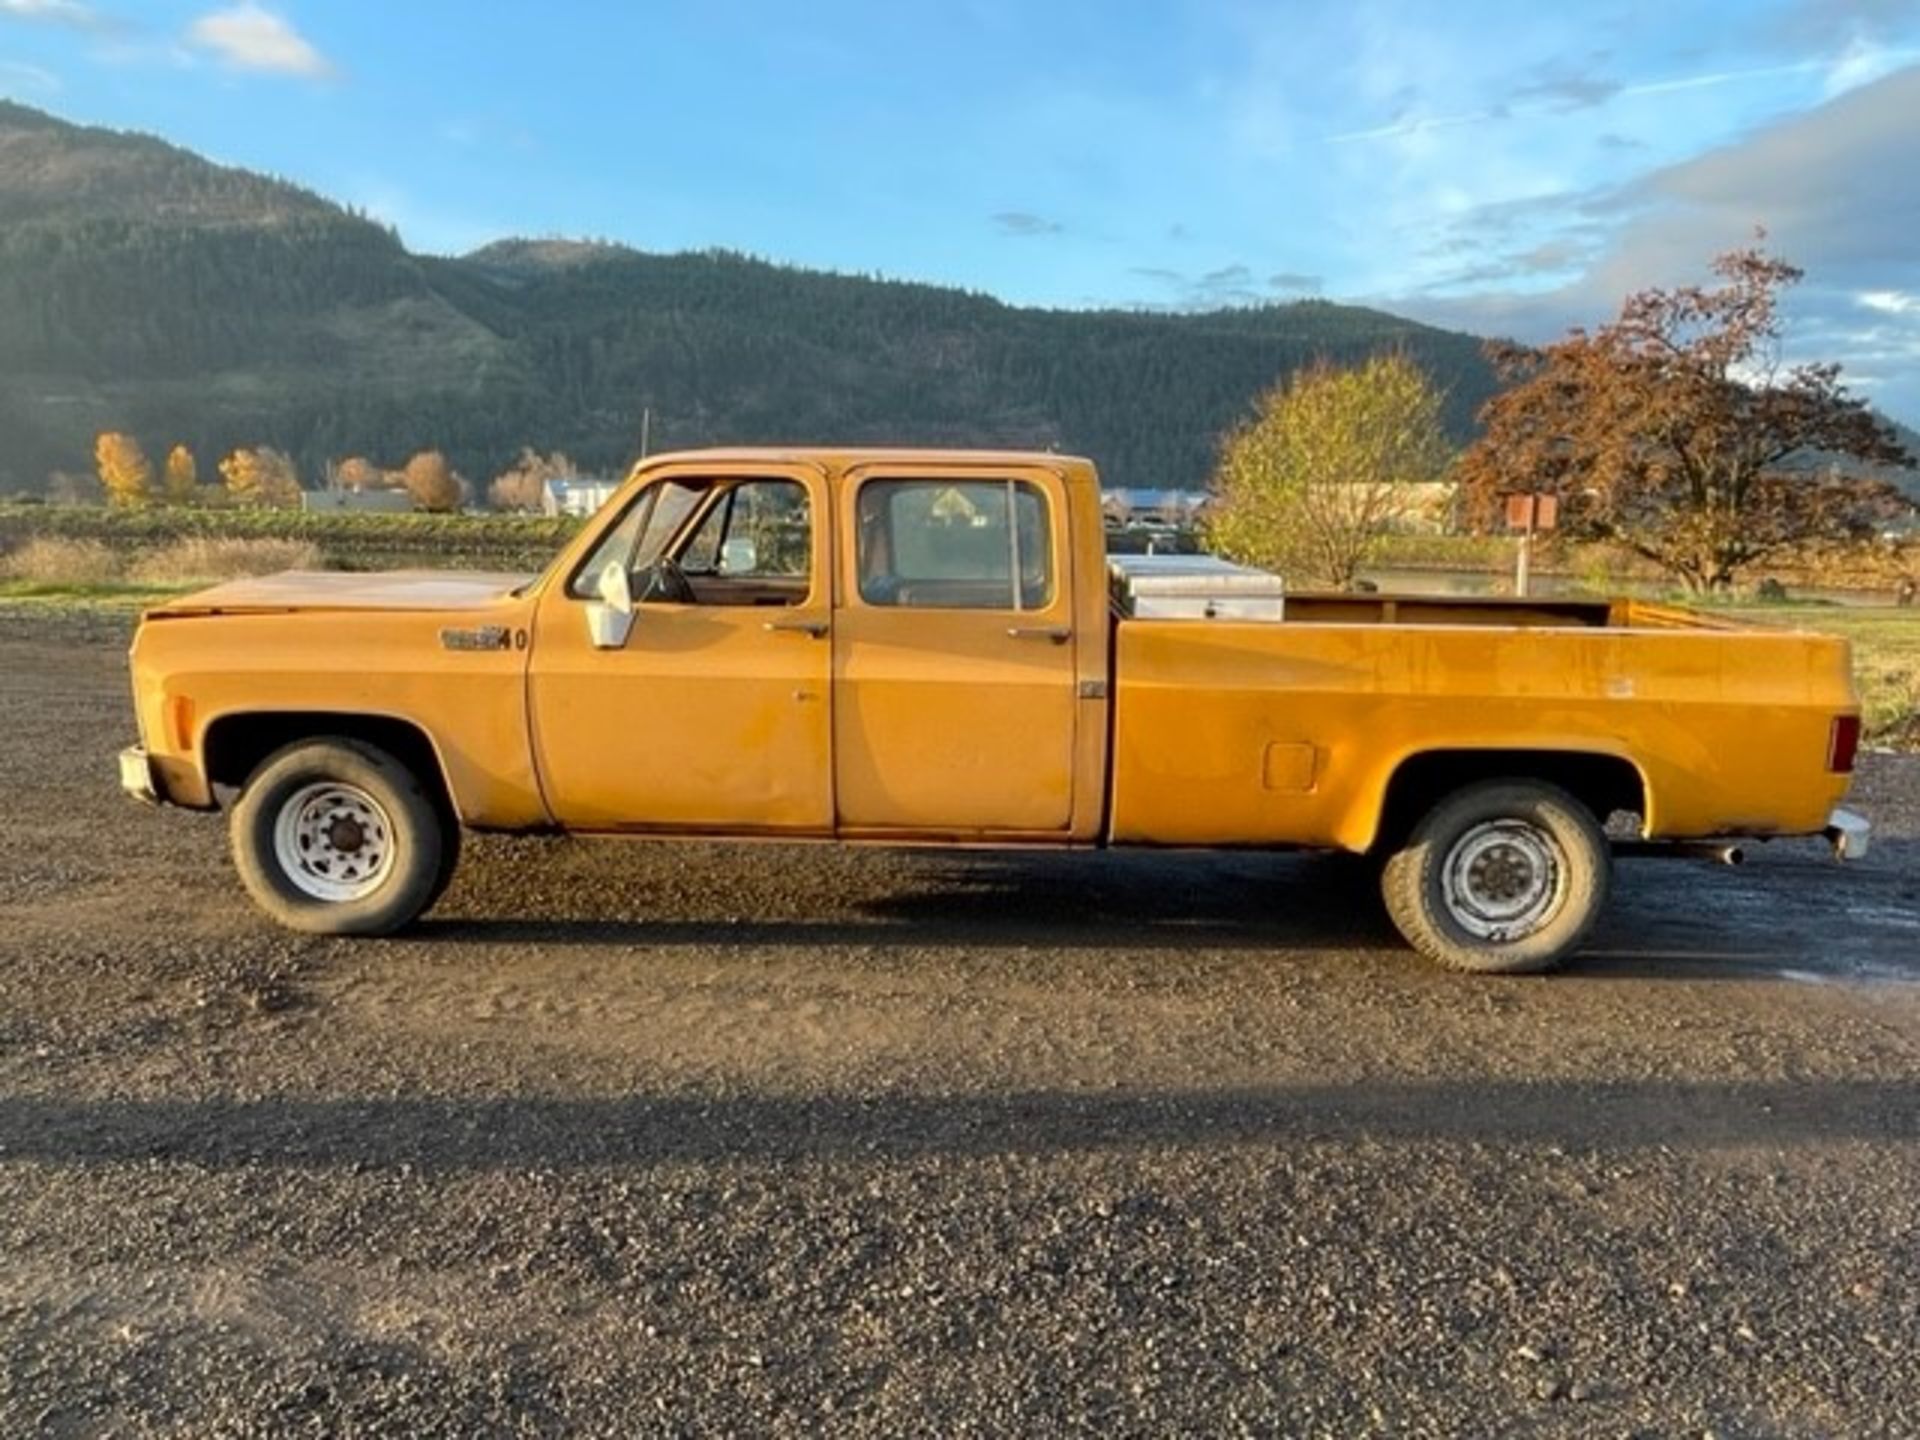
[[1503, 167]]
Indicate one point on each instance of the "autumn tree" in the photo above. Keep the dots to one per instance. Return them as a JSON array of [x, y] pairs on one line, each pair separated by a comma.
[[523, 484], [1677, 432], [182, 482], [125, 472], [430, 480], [261, 476], [1330, 462], [357, 473]]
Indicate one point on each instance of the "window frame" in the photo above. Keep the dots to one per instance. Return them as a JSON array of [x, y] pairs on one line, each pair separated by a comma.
[[1012, 485]]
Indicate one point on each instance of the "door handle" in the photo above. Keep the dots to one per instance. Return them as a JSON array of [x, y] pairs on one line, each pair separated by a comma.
[[1056, 634], [817, 629]]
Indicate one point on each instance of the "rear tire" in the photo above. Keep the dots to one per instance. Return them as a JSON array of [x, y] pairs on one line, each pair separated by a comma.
[[1501, 878], [336, 837]]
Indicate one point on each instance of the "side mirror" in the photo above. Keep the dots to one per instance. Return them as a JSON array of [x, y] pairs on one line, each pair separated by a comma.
[[739, 556], [615, 588], [611, 616]]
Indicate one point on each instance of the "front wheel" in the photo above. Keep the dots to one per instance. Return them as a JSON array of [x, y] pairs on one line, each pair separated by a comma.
[[1501, 878], [336, 837]]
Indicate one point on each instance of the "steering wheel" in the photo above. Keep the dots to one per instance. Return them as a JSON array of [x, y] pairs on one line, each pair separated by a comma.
[[665, 582]]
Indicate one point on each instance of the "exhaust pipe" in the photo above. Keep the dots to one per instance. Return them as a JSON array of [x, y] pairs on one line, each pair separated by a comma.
[[1720, 852]]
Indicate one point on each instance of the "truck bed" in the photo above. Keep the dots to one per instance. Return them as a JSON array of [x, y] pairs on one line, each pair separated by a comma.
[[1239, 732]]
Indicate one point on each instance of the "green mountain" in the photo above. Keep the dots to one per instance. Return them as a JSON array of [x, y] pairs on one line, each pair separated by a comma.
[[147, 289]]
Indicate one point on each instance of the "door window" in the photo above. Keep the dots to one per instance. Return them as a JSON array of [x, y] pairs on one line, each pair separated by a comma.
[[728, 541], [643, 532], [756, 530], [954, 545]]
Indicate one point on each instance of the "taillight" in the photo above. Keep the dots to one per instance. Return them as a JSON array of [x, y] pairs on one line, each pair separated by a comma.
[[1843, 744]]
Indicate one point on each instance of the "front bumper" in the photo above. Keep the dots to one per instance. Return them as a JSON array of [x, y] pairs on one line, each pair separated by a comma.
[[1850, 835], [136, 775]]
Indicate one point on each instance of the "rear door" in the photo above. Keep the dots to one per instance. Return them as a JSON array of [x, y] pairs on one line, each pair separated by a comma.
[[954, 653]]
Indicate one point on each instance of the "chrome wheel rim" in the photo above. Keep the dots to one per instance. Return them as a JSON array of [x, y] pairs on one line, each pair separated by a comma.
[[1503, 880], [334, 842]]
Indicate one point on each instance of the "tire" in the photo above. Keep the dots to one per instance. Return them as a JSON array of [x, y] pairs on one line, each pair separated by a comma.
[[336, 837], [450, 842], [1501, 878]]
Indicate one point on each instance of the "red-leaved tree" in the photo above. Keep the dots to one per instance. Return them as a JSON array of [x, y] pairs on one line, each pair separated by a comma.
[[1677, 432]]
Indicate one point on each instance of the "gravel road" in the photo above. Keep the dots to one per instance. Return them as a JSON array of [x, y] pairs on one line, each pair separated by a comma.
[[635, 1139]]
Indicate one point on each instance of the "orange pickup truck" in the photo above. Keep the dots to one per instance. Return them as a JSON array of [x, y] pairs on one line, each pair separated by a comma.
[[932, 648]]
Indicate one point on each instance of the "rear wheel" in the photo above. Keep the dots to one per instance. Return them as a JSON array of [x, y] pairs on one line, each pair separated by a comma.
[[1504, 878], [336, 837]]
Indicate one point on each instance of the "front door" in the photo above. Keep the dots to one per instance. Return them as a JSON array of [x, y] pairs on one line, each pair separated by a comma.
[[953, 653], [716, 713]]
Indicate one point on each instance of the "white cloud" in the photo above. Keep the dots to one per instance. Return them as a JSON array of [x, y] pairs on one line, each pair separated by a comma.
[[1889, 302], [248, 37], [32, 77], [1862, 62], [53, 12], [1835, 187]]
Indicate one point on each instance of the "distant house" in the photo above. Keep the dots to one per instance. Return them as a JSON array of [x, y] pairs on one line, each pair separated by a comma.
[[576, 495], [372, 502]]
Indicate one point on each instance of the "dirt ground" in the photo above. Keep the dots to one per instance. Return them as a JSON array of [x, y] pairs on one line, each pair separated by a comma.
[[632, 1139]]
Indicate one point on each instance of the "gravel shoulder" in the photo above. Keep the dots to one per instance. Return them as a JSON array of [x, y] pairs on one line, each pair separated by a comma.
[[638, 1138]]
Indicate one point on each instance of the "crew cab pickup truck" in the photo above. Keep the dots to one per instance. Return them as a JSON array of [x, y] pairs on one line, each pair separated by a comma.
[[928, 648]]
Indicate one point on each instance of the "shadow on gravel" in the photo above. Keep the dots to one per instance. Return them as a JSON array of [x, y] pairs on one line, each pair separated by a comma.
[[999, 901], [1670, 919], [509, 1133]]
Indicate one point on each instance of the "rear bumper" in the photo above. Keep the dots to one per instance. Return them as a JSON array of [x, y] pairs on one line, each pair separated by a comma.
[[137, 777], [1850, 835]]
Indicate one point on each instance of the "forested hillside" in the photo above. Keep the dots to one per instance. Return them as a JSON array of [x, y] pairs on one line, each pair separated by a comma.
[[146, 289]]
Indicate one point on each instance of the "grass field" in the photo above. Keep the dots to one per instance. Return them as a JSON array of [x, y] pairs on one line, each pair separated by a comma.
[[1886, 661], [345, 541]]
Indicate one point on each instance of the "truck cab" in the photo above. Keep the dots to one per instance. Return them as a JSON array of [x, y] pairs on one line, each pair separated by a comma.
[[885, 646]]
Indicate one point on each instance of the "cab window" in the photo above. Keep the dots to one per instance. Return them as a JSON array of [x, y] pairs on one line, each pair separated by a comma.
[[643, 532], [721, 541], [954, 544], [756, 530]]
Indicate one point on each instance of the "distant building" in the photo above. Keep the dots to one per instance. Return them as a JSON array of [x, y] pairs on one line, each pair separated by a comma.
[[1168, 509], [371, 502], [576, 495], [1429, 509]]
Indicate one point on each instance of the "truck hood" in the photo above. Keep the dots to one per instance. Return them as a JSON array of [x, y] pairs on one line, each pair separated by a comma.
[[332, 590]]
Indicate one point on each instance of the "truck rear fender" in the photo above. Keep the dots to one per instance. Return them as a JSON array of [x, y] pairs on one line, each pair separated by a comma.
[[1604, 783]]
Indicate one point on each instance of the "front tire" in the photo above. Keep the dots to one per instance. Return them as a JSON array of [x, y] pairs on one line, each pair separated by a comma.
[[336, 837], [1501, 878]]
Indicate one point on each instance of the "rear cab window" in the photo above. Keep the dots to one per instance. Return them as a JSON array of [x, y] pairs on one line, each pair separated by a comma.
[[959, 544]]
